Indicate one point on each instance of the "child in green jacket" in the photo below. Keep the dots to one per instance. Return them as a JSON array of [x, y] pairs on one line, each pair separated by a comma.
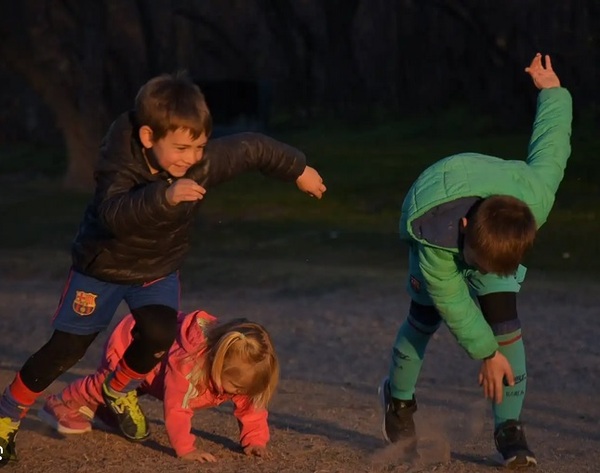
[[468, 220]]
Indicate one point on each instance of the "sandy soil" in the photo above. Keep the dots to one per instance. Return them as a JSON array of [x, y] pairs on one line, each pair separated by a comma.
[[334, 347]]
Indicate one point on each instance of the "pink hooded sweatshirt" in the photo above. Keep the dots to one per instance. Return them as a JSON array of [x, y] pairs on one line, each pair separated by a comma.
[[169, 382]]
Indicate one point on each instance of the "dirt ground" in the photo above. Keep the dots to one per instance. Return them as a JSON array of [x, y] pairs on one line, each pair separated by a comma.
[[334, 344]]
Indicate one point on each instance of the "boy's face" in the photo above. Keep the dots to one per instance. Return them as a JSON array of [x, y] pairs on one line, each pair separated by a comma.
[[470, 258], [176, 152]]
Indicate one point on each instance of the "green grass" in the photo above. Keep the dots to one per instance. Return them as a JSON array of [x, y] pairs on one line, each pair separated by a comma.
[[260, 221]]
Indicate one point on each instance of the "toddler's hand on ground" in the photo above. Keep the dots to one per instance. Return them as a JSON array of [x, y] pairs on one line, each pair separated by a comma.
[[311, 182], [493, 372], [543, 77], [257, 451], [198, 456], [184, 190]]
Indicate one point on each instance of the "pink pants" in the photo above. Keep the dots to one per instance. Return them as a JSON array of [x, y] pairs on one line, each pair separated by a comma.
[[87, 391]]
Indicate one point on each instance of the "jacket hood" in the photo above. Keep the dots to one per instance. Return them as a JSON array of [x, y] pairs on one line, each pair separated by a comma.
[[192, 329]]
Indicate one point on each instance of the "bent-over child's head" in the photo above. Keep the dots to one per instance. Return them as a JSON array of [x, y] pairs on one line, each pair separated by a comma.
[[497, 234], [242, 360], [174, 122]]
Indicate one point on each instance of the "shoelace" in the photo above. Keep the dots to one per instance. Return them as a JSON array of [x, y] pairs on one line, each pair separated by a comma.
[[130, 404], [7, 427]]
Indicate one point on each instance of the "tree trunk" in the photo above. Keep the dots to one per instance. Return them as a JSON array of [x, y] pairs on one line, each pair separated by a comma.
[[59, 50], [82, 142]]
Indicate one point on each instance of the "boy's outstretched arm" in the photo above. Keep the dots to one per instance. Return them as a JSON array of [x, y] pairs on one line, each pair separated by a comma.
[[543, 77], [226, 157], [549, 146], [450, 295]]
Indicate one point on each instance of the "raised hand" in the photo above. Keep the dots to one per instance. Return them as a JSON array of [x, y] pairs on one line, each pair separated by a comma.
[[543, 77]]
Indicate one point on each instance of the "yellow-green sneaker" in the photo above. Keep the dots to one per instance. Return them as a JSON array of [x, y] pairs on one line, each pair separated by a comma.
[[8, 432], [128, 413]]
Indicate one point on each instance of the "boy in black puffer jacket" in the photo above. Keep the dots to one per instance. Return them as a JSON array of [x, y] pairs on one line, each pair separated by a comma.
[[155, 167]]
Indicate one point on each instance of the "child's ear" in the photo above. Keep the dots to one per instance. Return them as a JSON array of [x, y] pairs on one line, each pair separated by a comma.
[[463, 223], [146, 134]]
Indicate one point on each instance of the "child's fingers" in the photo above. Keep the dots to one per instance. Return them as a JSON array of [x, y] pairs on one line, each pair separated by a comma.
[[200, 189], [536, 61], [209, 458], [510, 378], [499, 392], [548, 63]]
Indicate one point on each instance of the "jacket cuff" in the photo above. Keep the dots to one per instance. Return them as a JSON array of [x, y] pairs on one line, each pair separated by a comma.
[[485, 351]]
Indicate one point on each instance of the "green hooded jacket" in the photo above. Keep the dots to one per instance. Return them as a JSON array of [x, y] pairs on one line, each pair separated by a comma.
[[468, 176]]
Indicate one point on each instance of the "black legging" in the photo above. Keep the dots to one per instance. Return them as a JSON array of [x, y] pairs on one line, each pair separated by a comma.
[[61, 352], [154, 331]]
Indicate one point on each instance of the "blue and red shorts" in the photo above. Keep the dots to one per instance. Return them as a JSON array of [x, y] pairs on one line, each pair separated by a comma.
[[87, 305]]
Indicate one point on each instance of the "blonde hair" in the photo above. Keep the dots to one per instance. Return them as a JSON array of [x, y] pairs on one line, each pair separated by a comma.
[[170, 102], [236, 343]]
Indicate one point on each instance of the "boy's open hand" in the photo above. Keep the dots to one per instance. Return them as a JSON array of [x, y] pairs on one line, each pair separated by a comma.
[[184, 190], [311, 182], [492, 374], [256, 451], [202, 457], [543, 77]]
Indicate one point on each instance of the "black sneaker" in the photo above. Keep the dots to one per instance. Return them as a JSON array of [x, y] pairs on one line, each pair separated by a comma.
[[128, 413], [398, 425], [512, 445], [8, 433]]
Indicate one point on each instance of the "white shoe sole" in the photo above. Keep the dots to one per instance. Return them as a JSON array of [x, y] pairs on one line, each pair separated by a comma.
[[50, 420], [509, 463]]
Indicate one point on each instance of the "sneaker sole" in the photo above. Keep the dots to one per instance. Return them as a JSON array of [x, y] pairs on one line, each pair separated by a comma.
[[133, 439], [516, 463], [50, 420], [118, 428], [383, 408]]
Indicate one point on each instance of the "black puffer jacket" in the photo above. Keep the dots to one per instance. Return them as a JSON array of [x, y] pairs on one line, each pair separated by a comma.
[[129, 233]]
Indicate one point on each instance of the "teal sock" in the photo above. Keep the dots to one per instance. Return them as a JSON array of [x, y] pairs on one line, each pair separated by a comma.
[[511, 346], [407, 357]]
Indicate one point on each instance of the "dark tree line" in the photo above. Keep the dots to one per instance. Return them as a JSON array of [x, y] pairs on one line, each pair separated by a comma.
[[345, 59]]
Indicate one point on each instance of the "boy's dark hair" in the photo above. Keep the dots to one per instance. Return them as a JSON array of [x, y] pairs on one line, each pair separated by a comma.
[[172, 101], [499, 232]]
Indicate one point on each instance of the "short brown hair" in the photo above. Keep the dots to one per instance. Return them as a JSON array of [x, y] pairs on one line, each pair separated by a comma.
[[170, 102], [499, 231]]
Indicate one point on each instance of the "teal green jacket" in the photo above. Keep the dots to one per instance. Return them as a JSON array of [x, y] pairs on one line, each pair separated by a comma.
[[471, 175]]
